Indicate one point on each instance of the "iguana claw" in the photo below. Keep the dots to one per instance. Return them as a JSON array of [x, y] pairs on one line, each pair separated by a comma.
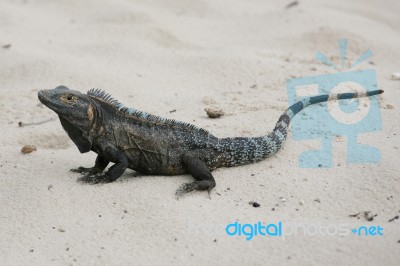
[[89, 171], [94, 179]]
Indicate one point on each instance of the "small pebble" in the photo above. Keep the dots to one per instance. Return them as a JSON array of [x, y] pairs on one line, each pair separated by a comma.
[[394, 218], [28, 149], [369, 216], [254, 204], [396, 76], [214, 113]]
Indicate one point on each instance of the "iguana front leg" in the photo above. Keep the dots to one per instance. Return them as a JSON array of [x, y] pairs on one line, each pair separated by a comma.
[[199, 170], [115, 171], [100, 164]]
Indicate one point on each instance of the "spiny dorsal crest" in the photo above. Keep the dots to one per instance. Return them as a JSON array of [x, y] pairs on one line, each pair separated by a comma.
[[107, 98]]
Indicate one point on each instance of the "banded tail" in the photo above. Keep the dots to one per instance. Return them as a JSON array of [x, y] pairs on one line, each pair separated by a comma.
[[242, 150]]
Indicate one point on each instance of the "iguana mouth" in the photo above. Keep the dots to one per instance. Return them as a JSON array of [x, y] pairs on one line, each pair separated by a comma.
[[42, 95]]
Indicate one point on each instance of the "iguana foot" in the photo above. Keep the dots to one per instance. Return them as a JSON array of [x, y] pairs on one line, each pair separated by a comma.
[[196, 185], [95, 179], [88, 171]]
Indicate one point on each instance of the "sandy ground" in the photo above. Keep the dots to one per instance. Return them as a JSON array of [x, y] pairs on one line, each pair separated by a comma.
[[161, 56]]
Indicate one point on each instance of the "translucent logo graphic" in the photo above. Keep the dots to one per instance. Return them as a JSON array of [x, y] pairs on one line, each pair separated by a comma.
[[348, 118], [283, 230]]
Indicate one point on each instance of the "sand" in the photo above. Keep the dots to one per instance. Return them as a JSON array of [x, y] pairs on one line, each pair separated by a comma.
[[161, 56]]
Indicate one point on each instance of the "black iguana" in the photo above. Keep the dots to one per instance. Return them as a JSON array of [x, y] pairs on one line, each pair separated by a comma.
[[154, 145]]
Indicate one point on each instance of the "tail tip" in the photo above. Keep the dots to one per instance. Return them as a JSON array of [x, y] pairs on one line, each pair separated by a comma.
[[376, 92]]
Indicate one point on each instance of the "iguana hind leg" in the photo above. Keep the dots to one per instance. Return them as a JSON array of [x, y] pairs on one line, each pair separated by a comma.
[[199, 170], [100, 164]]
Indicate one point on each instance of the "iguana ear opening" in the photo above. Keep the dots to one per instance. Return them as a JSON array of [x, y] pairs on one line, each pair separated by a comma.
[[83, 143]]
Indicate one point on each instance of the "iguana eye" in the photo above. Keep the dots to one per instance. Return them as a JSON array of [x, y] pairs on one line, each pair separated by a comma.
[[68, 98]]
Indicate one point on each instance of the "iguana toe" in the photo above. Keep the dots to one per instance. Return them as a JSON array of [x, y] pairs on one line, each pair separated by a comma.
[[196, 185], [89, 171], [94, 179], [183, 189]]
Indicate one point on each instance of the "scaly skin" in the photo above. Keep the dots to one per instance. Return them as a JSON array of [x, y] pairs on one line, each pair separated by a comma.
[[153, 145]]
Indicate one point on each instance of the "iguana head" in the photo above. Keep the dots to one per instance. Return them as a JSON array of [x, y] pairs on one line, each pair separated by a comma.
[[71, 105], [76, 113]]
